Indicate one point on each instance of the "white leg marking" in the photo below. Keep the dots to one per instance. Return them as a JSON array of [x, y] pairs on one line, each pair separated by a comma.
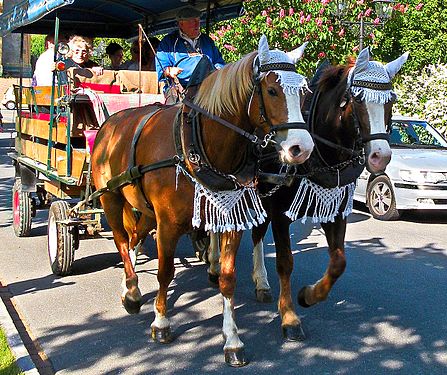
[[160, 321], [259, 274], [229, 328], [214, 254], [133, 256]]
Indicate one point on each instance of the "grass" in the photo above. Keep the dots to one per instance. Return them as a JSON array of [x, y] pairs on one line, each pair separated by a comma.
[[8, 365]]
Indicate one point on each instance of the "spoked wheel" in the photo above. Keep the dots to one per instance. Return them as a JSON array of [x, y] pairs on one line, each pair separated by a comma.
[[381, 200], [62, 239], [21, 210], [201, 243]]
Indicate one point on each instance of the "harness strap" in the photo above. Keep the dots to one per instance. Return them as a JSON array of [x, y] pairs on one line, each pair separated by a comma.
[[221, 121], [371, 137], [290, 125]]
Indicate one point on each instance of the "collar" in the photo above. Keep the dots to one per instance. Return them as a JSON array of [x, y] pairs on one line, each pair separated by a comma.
[[193, 42]]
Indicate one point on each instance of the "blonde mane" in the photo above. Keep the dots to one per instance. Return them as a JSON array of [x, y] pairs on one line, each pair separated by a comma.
[[223, 91]]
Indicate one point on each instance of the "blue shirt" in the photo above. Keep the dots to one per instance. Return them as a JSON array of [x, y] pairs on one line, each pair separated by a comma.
[[176, 51]]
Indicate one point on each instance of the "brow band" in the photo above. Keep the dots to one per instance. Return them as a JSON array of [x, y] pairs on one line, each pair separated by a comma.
[[277, 66], [373, 85]]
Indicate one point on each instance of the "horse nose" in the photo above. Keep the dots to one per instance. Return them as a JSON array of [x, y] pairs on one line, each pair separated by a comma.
[[295, 151]]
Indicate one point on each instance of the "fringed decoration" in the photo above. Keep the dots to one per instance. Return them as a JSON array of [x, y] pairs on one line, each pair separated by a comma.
[[226, 211], [373, 96], [292, 83], [326, 202]]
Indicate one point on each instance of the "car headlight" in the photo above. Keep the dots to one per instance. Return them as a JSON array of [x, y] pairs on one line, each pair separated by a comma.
[[422, 176]]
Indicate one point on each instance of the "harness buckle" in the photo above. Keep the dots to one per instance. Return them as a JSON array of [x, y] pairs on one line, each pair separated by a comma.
[[194, 158], [268, 139], [362, 159]]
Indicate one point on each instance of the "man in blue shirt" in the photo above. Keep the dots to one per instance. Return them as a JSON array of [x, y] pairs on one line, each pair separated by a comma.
[[180, 51]]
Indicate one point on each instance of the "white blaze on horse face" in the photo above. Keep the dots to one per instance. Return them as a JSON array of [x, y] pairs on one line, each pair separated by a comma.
[[298, 145], [378, 151], [229, 328]]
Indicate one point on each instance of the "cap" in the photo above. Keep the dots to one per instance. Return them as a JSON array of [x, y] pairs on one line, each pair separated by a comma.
[[187, 13]]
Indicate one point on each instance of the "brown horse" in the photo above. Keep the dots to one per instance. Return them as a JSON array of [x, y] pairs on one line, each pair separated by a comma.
[[348, 119], [138, 163]]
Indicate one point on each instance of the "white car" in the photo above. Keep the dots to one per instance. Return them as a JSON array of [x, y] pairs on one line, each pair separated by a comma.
[[416, 177]]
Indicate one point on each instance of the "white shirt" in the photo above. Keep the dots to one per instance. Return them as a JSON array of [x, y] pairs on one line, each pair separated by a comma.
[[43, 75]]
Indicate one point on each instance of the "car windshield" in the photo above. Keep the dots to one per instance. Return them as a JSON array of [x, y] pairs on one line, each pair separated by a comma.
[[416, 134]]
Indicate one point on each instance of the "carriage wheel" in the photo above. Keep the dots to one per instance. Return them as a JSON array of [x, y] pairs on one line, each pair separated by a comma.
[[21, 210], [201, 243], [381, 200], [62, 239]]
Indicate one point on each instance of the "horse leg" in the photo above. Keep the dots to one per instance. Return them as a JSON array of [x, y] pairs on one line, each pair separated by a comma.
[[167, 238], [234, 347], [290, 322], [213, 258], [335, 236], [259, 274], [143, 227], [114, 209]]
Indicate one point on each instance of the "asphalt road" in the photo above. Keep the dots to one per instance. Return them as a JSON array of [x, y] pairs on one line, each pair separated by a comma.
[[386, 314]]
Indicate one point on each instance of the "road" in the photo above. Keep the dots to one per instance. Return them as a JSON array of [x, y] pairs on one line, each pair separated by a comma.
[[386, 314]]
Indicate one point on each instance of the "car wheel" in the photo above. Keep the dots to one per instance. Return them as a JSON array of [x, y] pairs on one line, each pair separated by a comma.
[[10, 105], [381, 200]]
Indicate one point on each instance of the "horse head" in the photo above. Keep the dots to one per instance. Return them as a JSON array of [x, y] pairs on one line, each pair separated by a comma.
[[369, 90], [278, 103], [261, 93]]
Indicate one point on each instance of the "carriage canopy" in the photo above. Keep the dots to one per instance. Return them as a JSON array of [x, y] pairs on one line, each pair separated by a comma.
[[106, 18]]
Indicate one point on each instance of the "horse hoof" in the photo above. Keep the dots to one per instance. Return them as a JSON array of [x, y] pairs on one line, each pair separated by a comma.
[[161, 335], [264, 295], [131, 306], [293, 333], [235, 357], [213, 279], [301, 297]]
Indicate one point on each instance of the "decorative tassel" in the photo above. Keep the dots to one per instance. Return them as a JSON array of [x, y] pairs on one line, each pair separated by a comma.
[[326, 202]]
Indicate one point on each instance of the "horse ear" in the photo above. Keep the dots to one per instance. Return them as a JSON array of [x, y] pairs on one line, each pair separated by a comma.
[[394, 66], [297, 53], [263, 50], [362, 61]]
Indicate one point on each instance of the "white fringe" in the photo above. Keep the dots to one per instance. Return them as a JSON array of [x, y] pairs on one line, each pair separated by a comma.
[[225, 211], [327, 201], [373, 96]]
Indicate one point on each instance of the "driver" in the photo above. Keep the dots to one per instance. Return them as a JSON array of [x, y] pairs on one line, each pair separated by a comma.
[[180, 51]]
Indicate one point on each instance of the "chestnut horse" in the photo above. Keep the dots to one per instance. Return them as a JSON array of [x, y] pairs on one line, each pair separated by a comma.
[[138, 163], [348, 118]]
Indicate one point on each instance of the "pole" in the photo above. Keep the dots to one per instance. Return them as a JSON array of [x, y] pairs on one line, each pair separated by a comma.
[[362, 30]]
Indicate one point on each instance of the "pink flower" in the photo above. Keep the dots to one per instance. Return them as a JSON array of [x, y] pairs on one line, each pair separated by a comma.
[[282, 13], [325, 2], [301, 13], [214, 37], [333, 46], [376, 21], [268, 21], [322, 10], [302, 19], [229, 47], [285, 35], [321, 55], [308, 18], [368, 12], [355, 49], [419, 6], [341, 33], [319, 22], [264, 13], [244, 21], [372, 36], [330, 28], [360, 15], [360, 2], [291, 12]]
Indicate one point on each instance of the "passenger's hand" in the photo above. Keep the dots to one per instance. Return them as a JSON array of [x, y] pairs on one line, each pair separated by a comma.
[[172, 71], [98, 70]]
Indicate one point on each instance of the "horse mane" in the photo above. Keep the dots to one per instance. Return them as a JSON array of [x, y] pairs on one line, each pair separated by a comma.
[[334, 75], [225, 90]]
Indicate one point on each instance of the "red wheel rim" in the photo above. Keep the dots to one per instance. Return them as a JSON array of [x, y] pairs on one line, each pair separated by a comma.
[[16, 208]]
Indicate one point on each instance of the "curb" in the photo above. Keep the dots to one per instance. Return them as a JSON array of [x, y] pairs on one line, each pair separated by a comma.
[[21, 354]]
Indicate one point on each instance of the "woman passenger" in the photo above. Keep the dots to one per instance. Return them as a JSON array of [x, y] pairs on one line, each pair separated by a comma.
[[79, 53]]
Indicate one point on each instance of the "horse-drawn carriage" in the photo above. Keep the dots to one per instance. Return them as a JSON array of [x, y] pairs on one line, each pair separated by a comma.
[[165, 164], [56, 125]]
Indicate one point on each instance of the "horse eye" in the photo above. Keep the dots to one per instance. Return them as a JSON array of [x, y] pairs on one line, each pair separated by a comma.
[[272, 92]]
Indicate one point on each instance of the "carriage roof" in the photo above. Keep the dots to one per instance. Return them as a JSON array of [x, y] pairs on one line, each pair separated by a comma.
[[107, 18]]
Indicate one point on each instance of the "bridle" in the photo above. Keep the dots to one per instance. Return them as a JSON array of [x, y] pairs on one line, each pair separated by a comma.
[[258, 69]]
